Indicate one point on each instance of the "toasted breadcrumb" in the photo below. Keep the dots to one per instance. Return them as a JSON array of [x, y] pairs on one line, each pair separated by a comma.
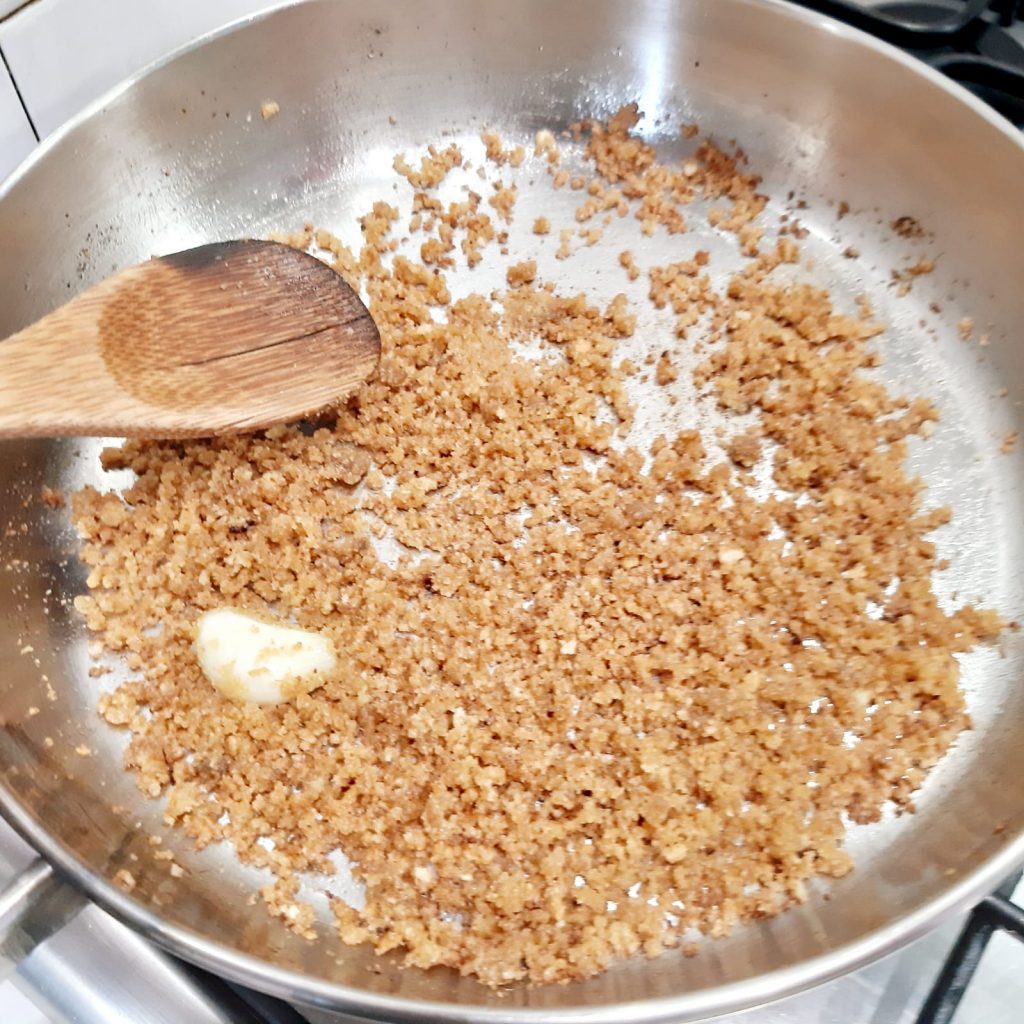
[[745, 450], [1009, 443], [904, 278], [907, 227], [665, 372], [626, 260], [503, 200], [591, 667], [522, 273], [52, 498], [269, 109], [433, 169], [541, 226], [496, 154]]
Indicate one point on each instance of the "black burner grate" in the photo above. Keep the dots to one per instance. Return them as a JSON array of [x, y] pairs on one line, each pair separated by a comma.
[[968, 40], [993, 912]]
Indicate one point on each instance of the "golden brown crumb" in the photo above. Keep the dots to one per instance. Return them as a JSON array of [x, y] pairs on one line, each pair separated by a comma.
[[522, 273], [296, 239], [433, 169], [686, 289], [851, 253], [966, 328], [82, 750], [626, 260], [907, 227], [52, 498], [905, 278], [601, 198], [843, 210], [496, 154], [564, 250], [524, 726], [1009, 443], [744, 450], [541, 226], [269, 109], [503, 200], [665, 372]]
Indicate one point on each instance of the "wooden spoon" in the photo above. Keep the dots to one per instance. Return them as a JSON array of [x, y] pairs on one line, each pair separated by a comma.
[[227, 337]]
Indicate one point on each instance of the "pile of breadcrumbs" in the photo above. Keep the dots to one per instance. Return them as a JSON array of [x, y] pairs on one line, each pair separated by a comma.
[[595, 704]]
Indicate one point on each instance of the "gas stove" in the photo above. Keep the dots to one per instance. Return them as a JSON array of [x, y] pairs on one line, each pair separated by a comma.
[[970, 969], [978, 43]]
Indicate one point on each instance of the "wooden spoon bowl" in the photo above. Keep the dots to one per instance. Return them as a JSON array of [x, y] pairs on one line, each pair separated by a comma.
[[227, 337]]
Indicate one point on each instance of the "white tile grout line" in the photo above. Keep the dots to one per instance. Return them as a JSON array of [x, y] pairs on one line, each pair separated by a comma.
[[17, 91], [10, 73]]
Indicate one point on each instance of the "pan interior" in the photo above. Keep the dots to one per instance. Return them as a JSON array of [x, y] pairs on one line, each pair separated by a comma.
[[183, 157]]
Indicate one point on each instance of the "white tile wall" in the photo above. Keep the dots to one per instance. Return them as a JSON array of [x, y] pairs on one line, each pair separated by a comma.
[[16, 138], [65, 53]]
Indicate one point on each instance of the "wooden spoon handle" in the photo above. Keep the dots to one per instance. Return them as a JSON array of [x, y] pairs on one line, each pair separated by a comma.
[[54, 381]]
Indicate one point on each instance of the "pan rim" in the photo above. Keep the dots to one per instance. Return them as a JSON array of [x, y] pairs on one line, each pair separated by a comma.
[[294, 986]]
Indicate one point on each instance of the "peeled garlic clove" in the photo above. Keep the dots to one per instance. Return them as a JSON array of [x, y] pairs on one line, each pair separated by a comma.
[[260, 662]]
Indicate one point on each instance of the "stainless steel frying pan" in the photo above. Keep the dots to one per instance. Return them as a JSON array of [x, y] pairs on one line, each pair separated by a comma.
[[181, 156]]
